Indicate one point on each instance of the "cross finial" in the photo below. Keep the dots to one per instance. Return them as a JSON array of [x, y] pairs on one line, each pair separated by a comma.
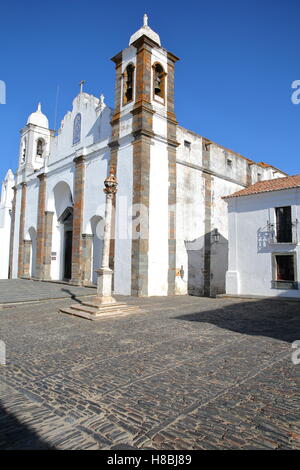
[[39, 108], [81, 83], [145, 19]]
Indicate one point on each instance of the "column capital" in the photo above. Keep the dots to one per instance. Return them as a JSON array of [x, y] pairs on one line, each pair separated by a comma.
[[79, 159], [42, 176], [87, 235]]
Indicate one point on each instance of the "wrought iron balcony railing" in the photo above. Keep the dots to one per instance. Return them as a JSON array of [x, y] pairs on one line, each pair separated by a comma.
[[284, 233]]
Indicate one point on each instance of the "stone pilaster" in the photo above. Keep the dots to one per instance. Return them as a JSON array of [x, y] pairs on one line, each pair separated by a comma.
[[207, 219], [12, 234], [172, 145], [114, 147], [142, 129], [77, 259], [21, 230], [47, 245], [87, 245], [40, 238], [26, 260]]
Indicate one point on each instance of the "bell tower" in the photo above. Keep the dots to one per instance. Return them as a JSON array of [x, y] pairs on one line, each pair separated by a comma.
[[143, 154]]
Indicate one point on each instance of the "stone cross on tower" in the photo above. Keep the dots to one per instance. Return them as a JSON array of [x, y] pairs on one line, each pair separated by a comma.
[[81, 83]]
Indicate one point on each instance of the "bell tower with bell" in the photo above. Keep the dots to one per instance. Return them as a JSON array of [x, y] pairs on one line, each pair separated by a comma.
[[143, 156]]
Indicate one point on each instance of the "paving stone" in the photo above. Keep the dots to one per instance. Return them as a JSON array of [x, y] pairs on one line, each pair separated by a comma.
[[190, 373]]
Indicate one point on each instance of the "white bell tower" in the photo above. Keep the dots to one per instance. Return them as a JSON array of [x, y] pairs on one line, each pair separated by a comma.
[[35, 142]]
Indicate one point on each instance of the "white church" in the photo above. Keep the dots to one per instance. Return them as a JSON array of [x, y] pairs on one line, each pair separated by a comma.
[[170, 229]]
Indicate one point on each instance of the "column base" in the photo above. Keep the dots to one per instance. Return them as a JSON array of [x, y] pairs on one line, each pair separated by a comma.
[[93, 311]]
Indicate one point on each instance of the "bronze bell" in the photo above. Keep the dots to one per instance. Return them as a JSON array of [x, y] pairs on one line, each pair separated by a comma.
[[157, 88]]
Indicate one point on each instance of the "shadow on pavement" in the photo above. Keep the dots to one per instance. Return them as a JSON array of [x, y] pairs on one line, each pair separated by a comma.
[[274, 319], [72, 296], [17, 436]]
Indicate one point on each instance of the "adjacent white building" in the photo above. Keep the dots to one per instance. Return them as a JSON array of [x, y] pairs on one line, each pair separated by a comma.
[[264, 239]]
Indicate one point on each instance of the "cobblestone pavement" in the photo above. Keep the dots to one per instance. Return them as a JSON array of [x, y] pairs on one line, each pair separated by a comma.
[[18, 290], [188, 373]]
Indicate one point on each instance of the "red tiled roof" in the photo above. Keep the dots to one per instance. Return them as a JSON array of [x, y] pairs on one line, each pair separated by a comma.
[[269, 185]]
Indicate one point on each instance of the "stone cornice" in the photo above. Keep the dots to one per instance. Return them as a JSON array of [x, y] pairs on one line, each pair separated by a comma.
[[145, 40], [141, 106], [172, 57], [117, 59], [113, 144], [139, 133]]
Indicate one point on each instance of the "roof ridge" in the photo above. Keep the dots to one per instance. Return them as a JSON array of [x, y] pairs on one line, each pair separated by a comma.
[[276, 184]]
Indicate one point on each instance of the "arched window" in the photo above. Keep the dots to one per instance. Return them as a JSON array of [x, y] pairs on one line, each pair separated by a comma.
[[23, 150], [77, 129], [40, 147], [158, 82], [128, 82]]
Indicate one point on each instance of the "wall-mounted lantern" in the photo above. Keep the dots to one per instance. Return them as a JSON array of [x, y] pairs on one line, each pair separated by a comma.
[[216, 236]]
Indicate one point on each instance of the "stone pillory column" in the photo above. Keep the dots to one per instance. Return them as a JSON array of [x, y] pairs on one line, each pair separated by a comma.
[[104, 281], [77, 256], [103, 304], [21, 231]]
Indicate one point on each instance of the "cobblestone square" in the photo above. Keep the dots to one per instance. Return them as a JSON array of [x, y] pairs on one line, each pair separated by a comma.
[[187, 373]]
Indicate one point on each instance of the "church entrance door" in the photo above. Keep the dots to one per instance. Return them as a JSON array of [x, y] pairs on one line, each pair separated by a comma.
[[68, 255], [66, 219]]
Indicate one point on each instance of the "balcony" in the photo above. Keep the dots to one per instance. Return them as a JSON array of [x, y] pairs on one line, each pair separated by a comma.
[[284, 233]]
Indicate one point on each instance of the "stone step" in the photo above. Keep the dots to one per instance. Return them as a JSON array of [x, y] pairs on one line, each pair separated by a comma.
[[92, 304], [94, 313]]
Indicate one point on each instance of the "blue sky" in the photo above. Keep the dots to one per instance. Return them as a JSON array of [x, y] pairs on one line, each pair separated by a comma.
[[233, 82]]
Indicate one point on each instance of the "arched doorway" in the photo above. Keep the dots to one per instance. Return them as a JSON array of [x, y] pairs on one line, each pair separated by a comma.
[[61, 203]]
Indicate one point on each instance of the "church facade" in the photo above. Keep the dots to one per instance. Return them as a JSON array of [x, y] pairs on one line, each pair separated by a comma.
[[169, 231]]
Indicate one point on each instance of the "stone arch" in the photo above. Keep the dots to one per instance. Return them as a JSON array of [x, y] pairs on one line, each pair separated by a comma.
[[60, 197], [128, 83], [40, 145], [60, 202], [159, 85]]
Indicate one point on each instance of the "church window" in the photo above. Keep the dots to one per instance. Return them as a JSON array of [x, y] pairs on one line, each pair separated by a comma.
[[77, 129], [158, 82], [187, 144], [128, 78], [23, 151], [40, 147], [229, 162]]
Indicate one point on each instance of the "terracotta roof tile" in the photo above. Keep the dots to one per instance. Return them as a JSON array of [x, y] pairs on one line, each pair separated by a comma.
[[277, 184]]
